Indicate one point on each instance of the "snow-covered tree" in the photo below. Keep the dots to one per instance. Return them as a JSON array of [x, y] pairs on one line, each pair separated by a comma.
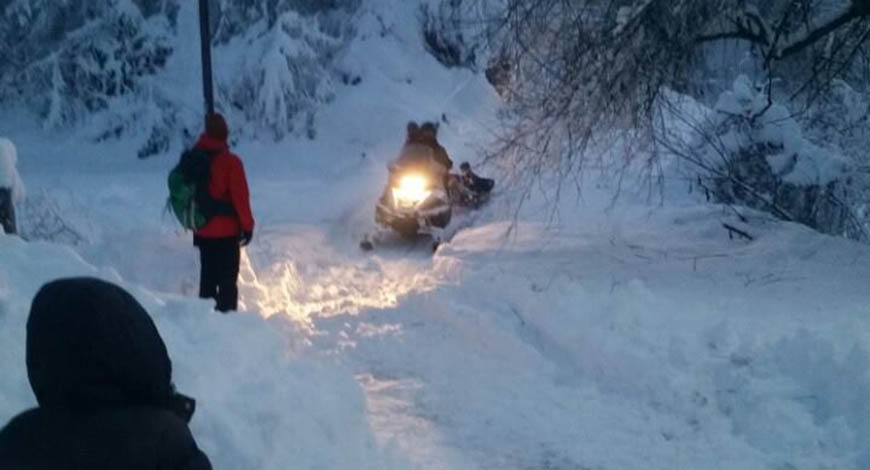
[[282, 56], [74, 58], [113, 68], [584, 77], [746, 151]]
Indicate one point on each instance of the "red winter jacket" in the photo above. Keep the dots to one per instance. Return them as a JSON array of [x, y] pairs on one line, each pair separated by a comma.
[[228, 184]]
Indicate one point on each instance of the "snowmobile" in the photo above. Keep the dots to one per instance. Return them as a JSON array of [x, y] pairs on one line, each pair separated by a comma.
[[420, 194], [414, 202]]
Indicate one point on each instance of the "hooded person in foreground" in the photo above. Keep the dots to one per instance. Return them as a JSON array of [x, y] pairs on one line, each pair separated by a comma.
[[102, 378]]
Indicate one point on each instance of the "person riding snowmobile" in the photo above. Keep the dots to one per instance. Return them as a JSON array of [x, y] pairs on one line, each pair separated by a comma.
[[427, 135], [420, 192], [415, 201], [421, 144]]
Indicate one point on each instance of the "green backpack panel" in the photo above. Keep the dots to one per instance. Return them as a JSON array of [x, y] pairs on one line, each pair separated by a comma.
[[189, 198]]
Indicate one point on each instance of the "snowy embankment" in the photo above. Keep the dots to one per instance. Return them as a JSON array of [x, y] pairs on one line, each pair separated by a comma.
[[257, 405]]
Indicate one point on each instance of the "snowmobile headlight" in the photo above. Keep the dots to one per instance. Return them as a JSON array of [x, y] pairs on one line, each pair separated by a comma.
[[410, 191]]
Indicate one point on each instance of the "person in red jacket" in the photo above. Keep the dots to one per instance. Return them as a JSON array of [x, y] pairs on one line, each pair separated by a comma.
[[219, 240]]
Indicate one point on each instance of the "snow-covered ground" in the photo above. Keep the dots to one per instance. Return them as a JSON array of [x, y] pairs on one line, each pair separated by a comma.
[[622, 336], [662, 344]]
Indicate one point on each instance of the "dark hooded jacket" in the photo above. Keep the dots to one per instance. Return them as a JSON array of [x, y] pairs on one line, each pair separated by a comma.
[[102, 378]]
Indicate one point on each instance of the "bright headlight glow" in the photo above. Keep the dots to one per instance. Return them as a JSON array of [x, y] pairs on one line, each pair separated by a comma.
[[410, 191]]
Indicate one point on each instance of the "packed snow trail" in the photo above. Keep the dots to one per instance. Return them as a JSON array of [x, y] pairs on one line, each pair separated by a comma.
[[671, 348], [666, 345], [304, 267], [295, 270]]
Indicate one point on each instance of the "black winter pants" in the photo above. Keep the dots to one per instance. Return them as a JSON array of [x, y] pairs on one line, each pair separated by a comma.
[[219, 271]]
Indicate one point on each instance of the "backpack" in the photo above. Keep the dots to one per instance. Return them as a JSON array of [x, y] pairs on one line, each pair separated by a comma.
[[189, 197]]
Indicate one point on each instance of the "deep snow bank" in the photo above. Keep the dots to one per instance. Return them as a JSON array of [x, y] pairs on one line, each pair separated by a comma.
[[257, 406]]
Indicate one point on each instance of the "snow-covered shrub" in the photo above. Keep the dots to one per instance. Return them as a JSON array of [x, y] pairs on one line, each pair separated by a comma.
[[750, 151], [42, 218], [839, 117]]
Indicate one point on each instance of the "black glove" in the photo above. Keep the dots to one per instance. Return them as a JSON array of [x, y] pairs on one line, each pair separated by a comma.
[[245, 237]]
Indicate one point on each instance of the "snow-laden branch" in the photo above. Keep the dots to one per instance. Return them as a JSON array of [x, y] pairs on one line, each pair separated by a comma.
[[747, 25], [859, 9]]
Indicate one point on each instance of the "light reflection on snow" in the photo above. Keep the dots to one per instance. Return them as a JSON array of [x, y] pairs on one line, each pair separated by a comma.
[[396, 421], [324, 283]]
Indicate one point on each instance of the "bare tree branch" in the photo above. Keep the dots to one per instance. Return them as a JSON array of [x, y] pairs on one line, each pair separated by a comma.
[[848, 16]]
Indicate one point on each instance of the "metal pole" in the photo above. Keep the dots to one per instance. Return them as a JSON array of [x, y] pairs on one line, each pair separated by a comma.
[[205, 42]]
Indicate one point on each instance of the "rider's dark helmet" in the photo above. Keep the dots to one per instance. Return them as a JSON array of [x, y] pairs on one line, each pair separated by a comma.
[[430, 127], [465, 166]]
